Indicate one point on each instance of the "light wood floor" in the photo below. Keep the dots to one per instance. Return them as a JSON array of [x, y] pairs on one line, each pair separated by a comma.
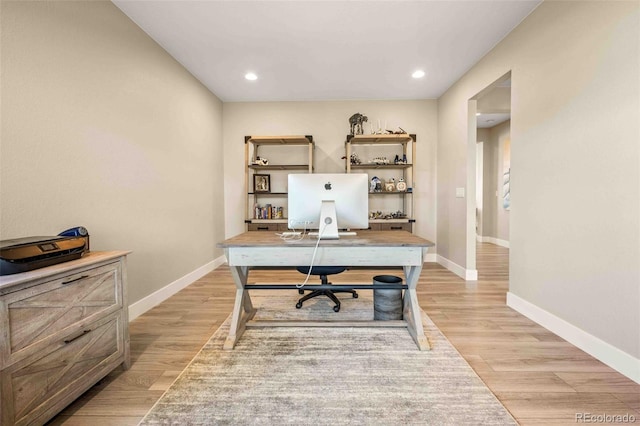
[[540, 378]]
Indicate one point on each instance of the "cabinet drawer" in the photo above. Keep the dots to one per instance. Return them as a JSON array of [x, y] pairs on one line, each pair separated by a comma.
[[265, 226], [39, 385], [38, 315], [395, 227]]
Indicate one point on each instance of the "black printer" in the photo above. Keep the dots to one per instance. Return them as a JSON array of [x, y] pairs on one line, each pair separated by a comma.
[[28, 253]]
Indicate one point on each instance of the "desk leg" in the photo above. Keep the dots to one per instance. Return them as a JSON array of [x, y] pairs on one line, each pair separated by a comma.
[[411, 311], [243, 310]]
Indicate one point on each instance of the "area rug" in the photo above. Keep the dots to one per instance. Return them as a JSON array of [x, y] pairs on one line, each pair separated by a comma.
[[327, 376]]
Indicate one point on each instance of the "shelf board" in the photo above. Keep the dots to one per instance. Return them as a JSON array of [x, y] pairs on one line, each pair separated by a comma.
[[380, 166], [284, 220], [280, 140], [380, 139], [279, 167], [390, 192], [268, 193], [402, 220]]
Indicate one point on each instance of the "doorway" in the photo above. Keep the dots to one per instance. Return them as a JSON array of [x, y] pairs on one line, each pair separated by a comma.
[[490, 154]]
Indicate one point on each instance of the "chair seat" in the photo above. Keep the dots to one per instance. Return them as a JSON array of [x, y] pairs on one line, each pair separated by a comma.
[[321, 270]]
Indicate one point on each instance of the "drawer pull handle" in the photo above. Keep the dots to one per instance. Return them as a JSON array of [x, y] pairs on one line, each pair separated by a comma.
[[67, 341], [263, 228], [75, 279], [396, 227]]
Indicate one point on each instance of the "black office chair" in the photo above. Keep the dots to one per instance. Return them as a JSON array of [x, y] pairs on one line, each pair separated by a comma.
[[323, 272]]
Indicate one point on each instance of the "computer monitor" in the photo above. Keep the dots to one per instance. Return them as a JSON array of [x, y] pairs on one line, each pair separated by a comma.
[[328, 202]]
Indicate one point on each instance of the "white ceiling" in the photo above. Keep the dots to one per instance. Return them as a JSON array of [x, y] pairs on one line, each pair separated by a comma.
[[486, 121], [327, 50]]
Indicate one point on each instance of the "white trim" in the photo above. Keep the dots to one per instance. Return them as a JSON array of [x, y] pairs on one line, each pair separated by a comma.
[[496, 241], [143, 305], [615, 358], [466, 274]]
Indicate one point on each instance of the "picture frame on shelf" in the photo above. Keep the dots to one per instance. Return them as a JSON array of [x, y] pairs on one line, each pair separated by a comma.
[[261, 183]]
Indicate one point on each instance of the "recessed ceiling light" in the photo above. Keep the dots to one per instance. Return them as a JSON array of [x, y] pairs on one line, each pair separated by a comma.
[[418, 74], [478, 113], [250, 76]]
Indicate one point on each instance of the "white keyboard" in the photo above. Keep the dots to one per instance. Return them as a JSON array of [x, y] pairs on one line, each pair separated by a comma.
[[290, 233]]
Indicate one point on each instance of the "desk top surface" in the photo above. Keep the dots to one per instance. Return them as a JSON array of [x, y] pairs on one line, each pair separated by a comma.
[[87, 259], [363, 238]]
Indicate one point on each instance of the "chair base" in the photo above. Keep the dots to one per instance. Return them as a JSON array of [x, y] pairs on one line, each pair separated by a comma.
[[329, 293]]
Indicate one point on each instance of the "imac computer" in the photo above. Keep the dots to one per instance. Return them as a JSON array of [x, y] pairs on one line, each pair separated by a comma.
[[328, 202]]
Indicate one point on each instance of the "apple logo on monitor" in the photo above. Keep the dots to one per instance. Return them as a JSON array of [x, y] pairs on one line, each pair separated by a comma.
[[327, 186]]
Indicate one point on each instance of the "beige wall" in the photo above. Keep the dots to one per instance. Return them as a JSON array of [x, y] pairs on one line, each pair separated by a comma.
[[497, 100], [575, 216], [102, 128], [328, 123]]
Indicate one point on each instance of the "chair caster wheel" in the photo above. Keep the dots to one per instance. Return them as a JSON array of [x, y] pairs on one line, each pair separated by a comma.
[[300, 291], [336, 308], [355, 295], [298, 305]]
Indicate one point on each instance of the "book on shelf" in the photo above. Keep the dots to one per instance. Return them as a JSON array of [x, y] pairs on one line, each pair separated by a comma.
[[268, 212]]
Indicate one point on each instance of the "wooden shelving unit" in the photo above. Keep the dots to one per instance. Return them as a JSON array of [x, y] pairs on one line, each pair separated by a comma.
[[251, 152], [407, 143]]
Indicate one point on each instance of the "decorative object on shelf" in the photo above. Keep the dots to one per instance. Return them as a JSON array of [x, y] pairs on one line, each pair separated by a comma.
[[380, 160], [354, 159], [401, 185], [390, 185], [355, 121], [384, 131], [376, 184], [381, 215], [261, 161], [261, 183], [397, 160]]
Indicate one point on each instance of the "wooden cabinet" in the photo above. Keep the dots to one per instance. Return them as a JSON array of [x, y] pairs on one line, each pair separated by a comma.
[[265, 184], [63, 328], [385, 149]]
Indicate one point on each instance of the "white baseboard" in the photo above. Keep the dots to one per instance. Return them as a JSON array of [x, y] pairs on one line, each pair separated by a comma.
[[143, 305], [496, 241], [610, 355], [466, 274]]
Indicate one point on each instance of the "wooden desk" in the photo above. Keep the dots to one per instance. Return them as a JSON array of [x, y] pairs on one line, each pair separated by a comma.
[[368, 248]]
